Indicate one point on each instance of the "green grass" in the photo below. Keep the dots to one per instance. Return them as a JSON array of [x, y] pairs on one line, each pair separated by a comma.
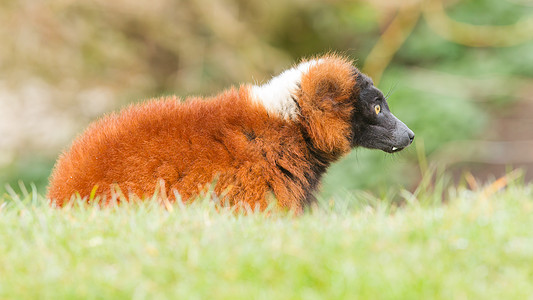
[[472, 246]]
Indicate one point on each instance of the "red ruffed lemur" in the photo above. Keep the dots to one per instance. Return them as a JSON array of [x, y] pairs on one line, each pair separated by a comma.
[[255, 143]]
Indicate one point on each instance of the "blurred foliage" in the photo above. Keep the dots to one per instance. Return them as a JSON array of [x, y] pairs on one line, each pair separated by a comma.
[[79, 59], [483, 12]]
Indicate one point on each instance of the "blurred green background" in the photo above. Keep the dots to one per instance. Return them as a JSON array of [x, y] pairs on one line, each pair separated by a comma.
[[460, 73]]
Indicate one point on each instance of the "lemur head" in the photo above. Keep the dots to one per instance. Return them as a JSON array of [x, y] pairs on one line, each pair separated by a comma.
[[337, 106], [373, 124]]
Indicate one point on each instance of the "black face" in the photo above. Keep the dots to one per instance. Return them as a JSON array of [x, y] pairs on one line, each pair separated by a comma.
[[374, 126]]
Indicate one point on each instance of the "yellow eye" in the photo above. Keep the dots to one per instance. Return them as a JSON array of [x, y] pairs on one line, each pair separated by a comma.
[[377, 108]]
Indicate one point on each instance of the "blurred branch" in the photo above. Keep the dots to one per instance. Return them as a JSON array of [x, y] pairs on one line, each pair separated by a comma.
[[488, 152], [391, 40], [476, 35], [522, 2], [434, 13]]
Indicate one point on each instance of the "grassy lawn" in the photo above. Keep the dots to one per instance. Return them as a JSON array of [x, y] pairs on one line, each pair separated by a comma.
[[476, 245]]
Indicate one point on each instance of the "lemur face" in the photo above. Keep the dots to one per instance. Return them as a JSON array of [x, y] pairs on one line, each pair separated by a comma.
[[374, 126]]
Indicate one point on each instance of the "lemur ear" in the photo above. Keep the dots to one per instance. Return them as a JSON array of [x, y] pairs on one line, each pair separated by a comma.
[[326, 103]]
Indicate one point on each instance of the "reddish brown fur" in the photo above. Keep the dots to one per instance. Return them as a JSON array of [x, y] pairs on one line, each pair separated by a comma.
[[229, 139]]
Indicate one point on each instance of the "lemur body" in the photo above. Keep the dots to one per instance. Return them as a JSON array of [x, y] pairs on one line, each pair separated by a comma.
[[255, 143]]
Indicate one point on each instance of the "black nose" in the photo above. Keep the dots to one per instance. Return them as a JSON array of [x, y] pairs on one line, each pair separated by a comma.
[[411, 136]]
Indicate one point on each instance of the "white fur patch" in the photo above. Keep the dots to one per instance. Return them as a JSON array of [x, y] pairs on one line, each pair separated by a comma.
[[279, 94]]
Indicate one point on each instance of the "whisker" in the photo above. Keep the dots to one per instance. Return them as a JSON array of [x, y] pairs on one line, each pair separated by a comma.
[[391, 90]]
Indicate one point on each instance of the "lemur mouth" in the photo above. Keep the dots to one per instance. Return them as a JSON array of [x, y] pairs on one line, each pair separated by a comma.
[[393, 149]]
